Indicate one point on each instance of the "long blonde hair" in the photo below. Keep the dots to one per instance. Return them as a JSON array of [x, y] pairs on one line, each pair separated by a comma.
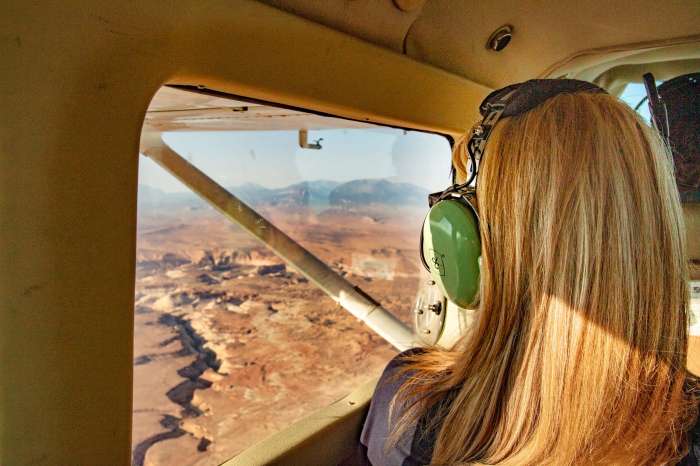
[[579, 355]]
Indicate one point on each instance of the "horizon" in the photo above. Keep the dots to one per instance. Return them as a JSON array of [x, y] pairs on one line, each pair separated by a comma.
[[257, 185]]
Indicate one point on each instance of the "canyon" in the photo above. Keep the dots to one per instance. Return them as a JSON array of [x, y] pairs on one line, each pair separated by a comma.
[[232, 345]]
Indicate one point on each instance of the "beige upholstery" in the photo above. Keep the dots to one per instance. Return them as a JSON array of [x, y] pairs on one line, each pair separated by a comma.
[[324, 438], [76, 81], [452, 34], [692, 224]]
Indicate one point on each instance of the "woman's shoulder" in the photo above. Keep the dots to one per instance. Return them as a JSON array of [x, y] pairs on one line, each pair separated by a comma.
[[399, 361], [392, 377], [381, 416]]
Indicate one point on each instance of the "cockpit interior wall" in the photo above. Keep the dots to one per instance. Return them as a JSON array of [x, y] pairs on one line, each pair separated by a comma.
[[76, 78]]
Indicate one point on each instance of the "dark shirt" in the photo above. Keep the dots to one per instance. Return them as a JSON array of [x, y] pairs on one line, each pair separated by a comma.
[[415, 447]]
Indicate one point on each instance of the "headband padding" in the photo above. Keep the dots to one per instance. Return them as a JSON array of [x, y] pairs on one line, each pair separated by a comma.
[[532, 93]]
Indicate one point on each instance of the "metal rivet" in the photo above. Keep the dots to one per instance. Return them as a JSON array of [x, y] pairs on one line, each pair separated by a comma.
[[500, 38]]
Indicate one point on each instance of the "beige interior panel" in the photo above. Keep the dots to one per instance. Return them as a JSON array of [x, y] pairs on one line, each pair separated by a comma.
[[691, 212], [616, 79], [694, 355], [381, 22], [452, 34], [594, 65], [323, 438], [76, 79]]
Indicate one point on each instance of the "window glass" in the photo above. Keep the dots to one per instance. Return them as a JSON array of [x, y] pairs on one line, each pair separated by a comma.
[[232, 344], [635, 95]]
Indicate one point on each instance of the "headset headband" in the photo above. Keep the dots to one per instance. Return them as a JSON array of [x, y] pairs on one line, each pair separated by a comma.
[[515, 100]]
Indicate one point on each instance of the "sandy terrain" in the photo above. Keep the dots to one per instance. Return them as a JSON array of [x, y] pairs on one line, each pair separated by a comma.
[[231, 345]]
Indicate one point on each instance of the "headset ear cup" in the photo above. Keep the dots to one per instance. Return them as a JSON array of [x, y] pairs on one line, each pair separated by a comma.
[[420, 245], [451, 248]]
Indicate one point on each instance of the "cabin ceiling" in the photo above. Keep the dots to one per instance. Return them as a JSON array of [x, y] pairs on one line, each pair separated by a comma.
[[452, 34]]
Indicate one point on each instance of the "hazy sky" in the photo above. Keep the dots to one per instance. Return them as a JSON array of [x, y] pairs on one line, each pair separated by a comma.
[[274, 158], [633, 94]]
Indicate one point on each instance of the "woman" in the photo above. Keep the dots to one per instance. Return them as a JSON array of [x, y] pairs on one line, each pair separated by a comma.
[[580, 351]]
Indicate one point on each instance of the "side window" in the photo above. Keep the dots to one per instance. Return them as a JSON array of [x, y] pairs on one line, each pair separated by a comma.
[[232, 344], [635, 95]]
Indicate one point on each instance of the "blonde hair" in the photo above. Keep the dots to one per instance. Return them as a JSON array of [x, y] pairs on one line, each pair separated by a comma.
[[579, 354]]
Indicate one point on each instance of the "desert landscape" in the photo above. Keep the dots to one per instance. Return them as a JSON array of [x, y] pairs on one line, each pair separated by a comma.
[[231, 344]]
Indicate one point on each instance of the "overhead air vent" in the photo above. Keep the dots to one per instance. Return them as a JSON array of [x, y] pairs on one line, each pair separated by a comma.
[[500, 38]]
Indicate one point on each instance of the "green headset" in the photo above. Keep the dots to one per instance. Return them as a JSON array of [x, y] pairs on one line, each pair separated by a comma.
[[450, 241]]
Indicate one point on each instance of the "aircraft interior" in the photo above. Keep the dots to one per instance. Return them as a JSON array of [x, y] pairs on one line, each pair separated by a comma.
[[210, 210]]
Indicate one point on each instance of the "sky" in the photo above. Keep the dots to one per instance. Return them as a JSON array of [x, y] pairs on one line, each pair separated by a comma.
[[274, 159], [633, 94]]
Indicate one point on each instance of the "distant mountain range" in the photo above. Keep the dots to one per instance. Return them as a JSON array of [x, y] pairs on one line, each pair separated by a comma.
[[321, 193], [363, 192], [299, 194]]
